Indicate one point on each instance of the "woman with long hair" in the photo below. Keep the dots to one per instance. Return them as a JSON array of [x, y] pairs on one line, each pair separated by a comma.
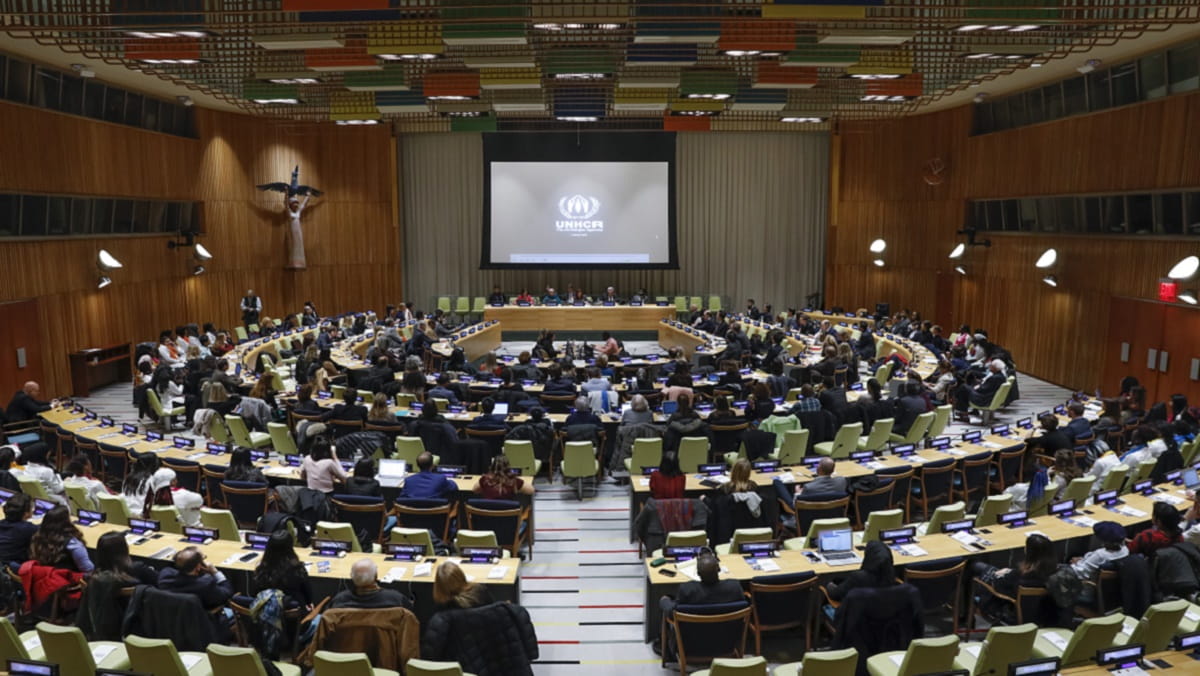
[[241, 467], [112, 556], [380, 412], [500, 483], [137, 482], [451, 589], [1065, 471], [282, 569], [59, 543], [669, 481], [877, 570], [1039, 563], [263, 389], [739, 478]]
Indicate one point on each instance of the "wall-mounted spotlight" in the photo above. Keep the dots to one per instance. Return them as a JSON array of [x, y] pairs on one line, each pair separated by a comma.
[[106, 262], [879, 262], [878, 246], [202, 253], [1048, 258], [1185, 269], [1051, 280], [960, 270], [961, 248], [198, 270], [1188, 296], [958, 251]]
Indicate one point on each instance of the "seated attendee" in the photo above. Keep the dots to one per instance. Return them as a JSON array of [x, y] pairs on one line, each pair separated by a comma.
[[349, 409], [320, 470], [16, 531], [1039, 563], [808, 401], [777, 382], [363, 482], [1145, 444], [908, 407], [79, 473], [1077, 426], [366, 592], [1112, 547], [25, 404], [112, 557], [1163, 532], [264, 390], [192, 574], [426, 483], [451, 589], [669, 481], [610, 296], [524, 298], [165, 490], [487, 420], [281, 569], [825, 482], [678, 384], [168, 352], [877, 570], [759, 405], [609, 347], [380, 413], [525, 369], [442, 390], [833, 396], [722, 414], [37, 467], [983, 393], [710, 590], [137, 482], [7, 480], [544, 348], [582, 414], [500, 483], [496, 297], [1064, 471], [638, 411], [551, 297], [59, 543], [241, 467], [595, 382], [1052, 439]]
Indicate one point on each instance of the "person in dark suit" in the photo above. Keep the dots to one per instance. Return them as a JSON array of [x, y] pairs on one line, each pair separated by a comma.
[[557, 382], [983, 393], [908, 407], [497, 298], [1078, 427], [610, 296], [25, 404], [706, 322], [488, 420], [349, 409], [825, 482], [710, 590], [1052, 438], [442, 390], [833, 397], [193, 575]]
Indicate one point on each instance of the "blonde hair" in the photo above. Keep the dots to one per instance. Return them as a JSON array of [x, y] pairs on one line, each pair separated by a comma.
[[739, 477], [379, 408], [320, 381], [450, 587]]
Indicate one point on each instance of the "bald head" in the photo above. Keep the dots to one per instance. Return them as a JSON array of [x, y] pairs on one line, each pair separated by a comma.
[[363, 573], [825, 466], [708, 568], [32, 388]]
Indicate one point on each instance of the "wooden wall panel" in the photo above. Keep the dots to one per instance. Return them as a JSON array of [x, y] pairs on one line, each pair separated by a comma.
[[1059, 334], [1055, 333], [351, 234]]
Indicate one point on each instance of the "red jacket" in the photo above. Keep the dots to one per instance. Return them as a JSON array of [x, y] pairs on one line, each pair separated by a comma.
[[40, 582]]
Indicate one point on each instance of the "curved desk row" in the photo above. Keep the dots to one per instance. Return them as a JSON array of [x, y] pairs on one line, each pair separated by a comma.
[[580, 317]]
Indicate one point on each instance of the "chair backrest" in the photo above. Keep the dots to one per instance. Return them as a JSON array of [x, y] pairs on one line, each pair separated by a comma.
[[475, 538], [247, 501], [782, 601], [830, 662], [227, 659], [412, 536], [952, 512], [520, 455], [646, 453], [846, 440], [1094, 634], [973, 471], [238, 429], [686, 538], [503, 517], [794, 447], [32, 487], [168, 517], [808, 511], [936, 479], [902, 485], [408, 448], [69, 648], [929, 655], [222, 521], [114, 464], [869, 502], [938, 581], [743, 535], [78, 498], [941, 418], [155, 402], [429, 514], [1008, 467], [1003, 646], [1140, 473], [11, 647], [1000, 397], [693, 452], [213, 475], [187, 473], [991, 509], [739, 666], [883, 519], [115, 509], [705, 632], [579, 459], [1159, 625], [281, 439], [919, 427], [330, 530], [326, 663], [369, 517], [881, 431], [416, 667], [1115, 479]]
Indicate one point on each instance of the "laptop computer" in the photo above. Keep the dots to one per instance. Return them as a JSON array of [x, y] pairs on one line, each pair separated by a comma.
[[669, 407], [837, 547], [391, 472], [500, 408]]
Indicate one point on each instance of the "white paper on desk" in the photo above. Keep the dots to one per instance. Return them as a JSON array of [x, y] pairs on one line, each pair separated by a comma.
[[99, 652], [898, 658], [1085, 521], [954, 451], [973, 649], [109, 435], [497, 572], [720, 478], [765, 565], [1055, 640], [394, 573], [911, 550], [874, 464], [190, 660], [197, 456], [1130, 511], [423, 570], [89, 427], [1192, 615], [787, 478], [32, 643], [273, 471], [644, 481], [964, 537], [131, 442], [1169, 499], [989, 444]]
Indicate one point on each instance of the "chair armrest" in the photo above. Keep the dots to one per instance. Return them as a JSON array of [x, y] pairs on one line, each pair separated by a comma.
[[825, 593], [992, 590], [312, 614]]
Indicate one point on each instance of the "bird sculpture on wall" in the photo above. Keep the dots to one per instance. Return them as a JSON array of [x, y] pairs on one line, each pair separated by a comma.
[[294, 207], [934, 171]]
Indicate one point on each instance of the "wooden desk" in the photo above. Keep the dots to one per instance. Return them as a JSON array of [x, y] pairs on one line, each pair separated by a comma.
[[100, 366], [836, 319], [692, 341], [1178, 663], [580, 318], [475, 341]]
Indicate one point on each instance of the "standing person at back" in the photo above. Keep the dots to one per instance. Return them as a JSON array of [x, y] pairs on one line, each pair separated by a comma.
[[251, 307]]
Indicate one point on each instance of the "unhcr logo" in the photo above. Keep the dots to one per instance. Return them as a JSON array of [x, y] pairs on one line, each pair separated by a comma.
[[577, 212]]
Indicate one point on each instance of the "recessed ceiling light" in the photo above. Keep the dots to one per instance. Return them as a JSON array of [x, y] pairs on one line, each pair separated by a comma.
[[958, 251], [1188, 296], [876, 76], [450, 97], [879, 262], [960, 269], [1185, 269], [878, 246], [294, 80], [1024, 28], [741, 52], [282, 101], [1047, 259], [998, 28], [577, 118], [354, 123], [580, 76], [423, 56], [803, 120], [971, 27]]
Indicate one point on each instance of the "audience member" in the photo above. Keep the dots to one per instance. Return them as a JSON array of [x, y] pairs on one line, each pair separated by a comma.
[[192, 574], [669, 481], [366, 592], [451, 589], [426, 483], [280, 568], [1164, 531], [499, 483], [320, 470], [25, 404], [59, 543], [16, 531]]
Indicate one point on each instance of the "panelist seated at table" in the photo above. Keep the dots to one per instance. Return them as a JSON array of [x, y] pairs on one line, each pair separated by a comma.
[[551, 297], [497, 297], [609, 297]]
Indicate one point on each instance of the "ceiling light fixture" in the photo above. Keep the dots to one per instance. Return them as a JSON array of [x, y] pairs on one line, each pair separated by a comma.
[[294, 80], [741, 52], [423, 56], [1047, 259], [202, 253], [878, 246], [971, 27], [960, 270], [355, 123], [876, 76], [958, 250], [1188, 296], [803, 120], [283, 101], [1088, 66], [1185, 269], [980, 97], [1024, 28], [450, 97], [884, 98], [580, 76], [1051, 280], [695, 113], [879, 262], [714, 97]]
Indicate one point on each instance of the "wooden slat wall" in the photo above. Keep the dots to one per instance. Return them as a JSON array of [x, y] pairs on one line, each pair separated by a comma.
[[1056, 334], [351, 235]]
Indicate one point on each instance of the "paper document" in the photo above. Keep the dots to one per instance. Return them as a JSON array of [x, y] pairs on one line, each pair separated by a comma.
[[497, 572], [394, 573], [787, 478], [898, 658], [32, 643], [644, 481], [99, 652], [423, 570], [1055, 640], [190, 659], [973, 649]]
